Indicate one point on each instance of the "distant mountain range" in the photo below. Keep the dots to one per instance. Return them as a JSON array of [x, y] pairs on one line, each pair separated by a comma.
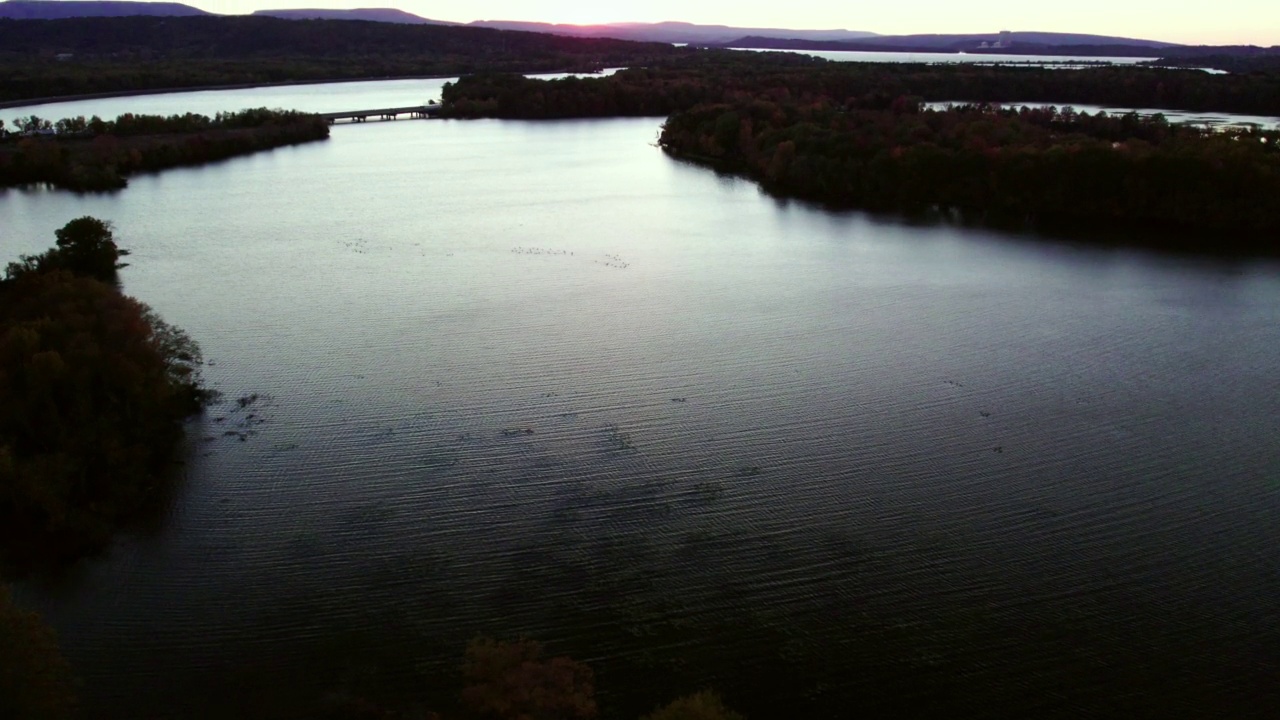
[[673, 32], [668, 32], [62, 9], [390, 15]]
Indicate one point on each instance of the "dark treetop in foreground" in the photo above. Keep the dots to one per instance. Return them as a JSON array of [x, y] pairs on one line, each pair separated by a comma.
[[501, 681], [35, 680]]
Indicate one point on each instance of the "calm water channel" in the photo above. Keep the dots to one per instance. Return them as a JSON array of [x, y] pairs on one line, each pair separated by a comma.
[[539, 378], [873, 56]]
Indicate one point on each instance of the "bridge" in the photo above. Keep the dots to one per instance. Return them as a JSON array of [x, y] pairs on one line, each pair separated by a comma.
[[357, 116]]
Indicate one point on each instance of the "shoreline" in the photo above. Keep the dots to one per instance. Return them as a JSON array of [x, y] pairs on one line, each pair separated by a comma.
[[51, 100]]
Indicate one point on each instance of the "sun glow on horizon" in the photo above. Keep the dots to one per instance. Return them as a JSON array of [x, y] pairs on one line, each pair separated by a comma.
[[1250, 22], [584, 18]]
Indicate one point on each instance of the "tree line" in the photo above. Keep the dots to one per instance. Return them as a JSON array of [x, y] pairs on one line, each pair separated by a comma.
[[1238, 59], [96, 154], [662, 90], [1042, 166]]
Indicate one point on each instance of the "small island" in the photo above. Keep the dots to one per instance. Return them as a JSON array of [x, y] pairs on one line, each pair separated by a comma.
[[96, 154]]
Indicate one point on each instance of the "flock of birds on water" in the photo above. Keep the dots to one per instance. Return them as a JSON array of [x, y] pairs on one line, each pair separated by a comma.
[[521, 250], [615, 262], [242, 424], [612, 261], [361, 246]]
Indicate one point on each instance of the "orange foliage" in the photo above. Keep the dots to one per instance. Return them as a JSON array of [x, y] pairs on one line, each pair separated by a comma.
[[511, 681]]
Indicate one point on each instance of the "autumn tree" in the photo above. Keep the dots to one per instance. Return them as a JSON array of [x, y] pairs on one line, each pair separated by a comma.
[[35, 680], [705, 705], [512, 681]]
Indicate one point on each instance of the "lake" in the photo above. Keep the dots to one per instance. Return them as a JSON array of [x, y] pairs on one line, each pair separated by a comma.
[[539, 378]]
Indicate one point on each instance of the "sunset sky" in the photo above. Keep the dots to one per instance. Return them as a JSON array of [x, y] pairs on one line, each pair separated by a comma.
[[1187, 21]]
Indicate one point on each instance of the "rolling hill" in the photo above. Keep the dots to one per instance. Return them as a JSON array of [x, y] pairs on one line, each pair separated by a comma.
[[62, 9], [388, 15], [671, 32]]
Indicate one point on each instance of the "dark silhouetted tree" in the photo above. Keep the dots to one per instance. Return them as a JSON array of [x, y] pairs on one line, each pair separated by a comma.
[[512, 681], [35, 680], [85, 247], [705, 705], [88, 248]]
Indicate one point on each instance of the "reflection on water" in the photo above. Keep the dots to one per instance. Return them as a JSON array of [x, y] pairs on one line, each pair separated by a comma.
[[822, 462], [313, 97]]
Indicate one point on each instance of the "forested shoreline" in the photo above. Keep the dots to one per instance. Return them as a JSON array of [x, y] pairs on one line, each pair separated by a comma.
[[1039, 167], [96, 154], [84, 56], [77, 56], [662, 90], [94, 388], [861, 137], [1238, 59]]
